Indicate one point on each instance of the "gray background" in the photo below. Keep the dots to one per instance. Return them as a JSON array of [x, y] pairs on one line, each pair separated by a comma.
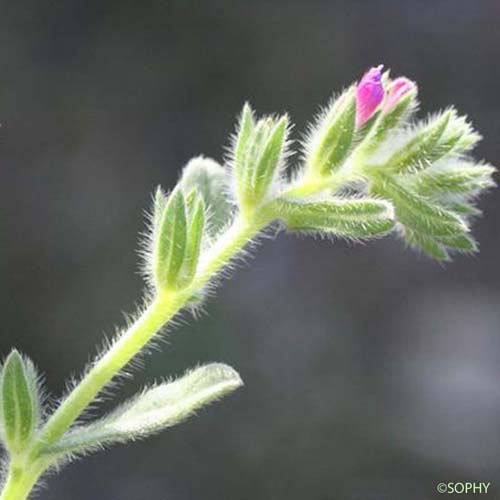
[[371, 372]]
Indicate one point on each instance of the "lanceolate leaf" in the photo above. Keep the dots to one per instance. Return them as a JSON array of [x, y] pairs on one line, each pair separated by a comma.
[[159, 202], [209, 179], [245, 130], [171, 241], [460, 242], [257, 157], [256, 144], [388, 121], [457, 177], [416, 212], [269, 160], [357, 218], [427, 244], [335, 133], [459, 137], [422, 148], [20, 406], [194, 240], [432, 227], [462, 208], [155, 409]]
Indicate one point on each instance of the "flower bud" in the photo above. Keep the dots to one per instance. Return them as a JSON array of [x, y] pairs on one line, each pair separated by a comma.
[[398, 89], [369, 95], [259, 153]]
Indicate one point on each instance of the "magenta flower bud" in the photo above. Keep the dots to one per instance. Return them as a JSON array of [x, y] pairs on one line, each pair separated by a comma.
[[398, 89], [369, 95]]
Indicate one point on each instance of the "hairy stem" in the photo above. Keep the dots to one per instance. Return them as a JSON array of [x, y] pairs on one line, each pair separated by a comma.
[[314, 184], [161, 310], [121, 352], [245, 227], [22, 477], [20, 481]]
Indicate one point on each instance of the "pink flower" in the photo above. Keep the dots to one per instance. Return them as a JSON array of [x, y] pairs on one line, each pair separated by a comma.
[[369, 95], [399, 88]]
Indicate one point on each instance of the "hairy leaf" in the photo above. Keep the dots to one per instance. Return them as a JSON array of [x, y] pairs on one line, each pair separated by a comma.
[[245, 130], [171, 241], [194, 239], [20, 405], [422, 148], [267, 164], [456, 177], [356, 218], [155, 409], [211, 181], [385, 123], [332, 136], [416, 212]]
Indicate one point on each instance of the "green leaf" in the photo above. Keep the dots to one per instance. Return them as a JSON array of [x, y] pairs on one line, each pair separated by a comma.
[[245, 130], [155, 409], [427, 244], [245, 174], [268, 163], [257, 157], [365, 132], [438, 247], [356, 218], [446, 135], [191, 199], [20, 406], [429, 226], [462, 208], [459, 242], [456, 177], [422, 148], [396, 116], [332, 136], [171, 243], [415, 212], [210, 180], [159, 203], [194, 239], [458, 138]]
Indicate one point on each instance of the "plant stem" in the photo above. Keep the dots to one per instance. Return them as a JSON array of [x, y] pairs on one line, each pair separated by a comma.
[[22, 477], [120, 353], [314, 184], [20, 481], [245, 227], [161, 310]]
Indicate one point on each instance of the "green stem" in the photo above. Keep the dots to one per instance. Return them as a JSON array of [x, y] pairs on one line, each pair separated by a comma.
[[22, 478], [167, 304], [121, 352], [20, 481], [161, 310], [315, 184]]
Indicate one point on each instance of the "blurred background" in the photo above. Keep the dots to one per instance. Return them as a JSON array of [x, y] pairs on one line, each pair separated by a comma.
[[371, 372]]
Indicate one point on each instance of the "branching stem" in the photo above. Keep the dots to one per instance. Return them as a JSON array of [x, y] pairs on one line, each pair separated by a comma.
[[157, 315], [21, 479]]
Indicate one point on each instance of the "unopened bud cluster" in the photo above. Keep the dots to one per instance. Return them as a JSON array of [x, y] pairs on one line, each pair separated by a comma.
[[364, 150], [178, 225], [259, 153]]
